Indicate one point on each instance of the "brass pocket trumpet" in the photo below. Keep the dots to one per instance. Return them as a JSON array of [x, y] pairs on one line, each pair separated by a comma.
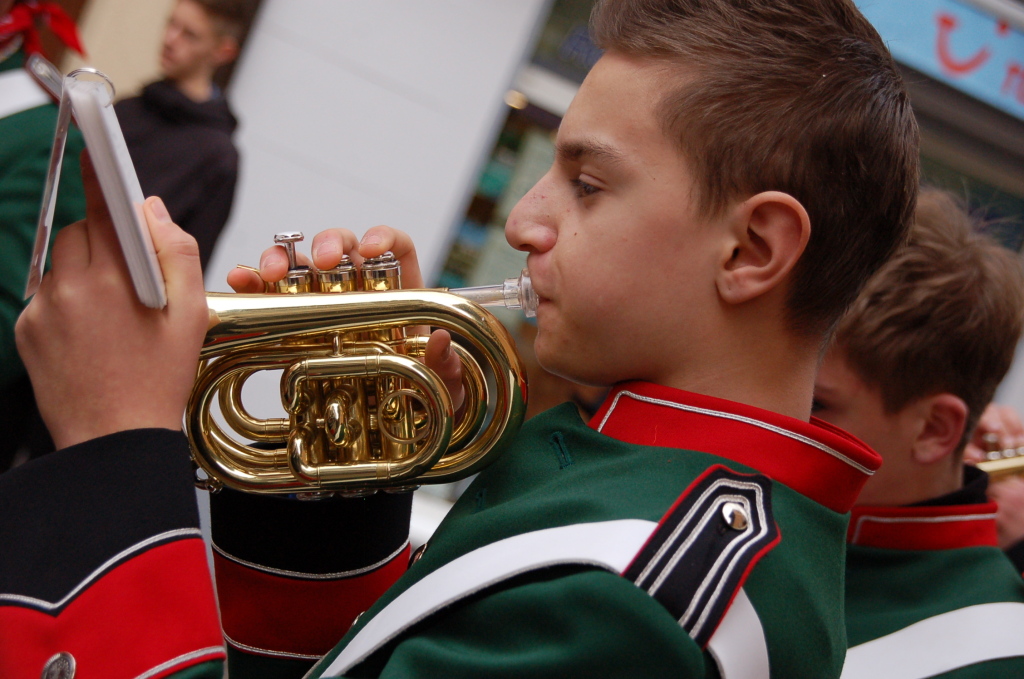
[[362, 412], [1000, 462]]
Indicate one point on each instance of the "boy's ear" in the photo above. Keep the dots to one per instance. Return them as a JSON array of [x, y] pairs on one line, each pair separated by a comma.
[[767, 235], [226, 51], [944, 417]]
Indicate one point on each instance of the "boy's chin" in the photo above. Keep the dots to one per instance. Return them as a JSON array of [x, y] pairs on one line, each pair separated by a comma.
[[571, 367]]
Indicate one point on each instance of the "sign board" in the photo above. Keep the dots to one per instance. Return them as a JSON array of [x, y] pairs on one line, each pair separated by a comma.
[[955, 43]]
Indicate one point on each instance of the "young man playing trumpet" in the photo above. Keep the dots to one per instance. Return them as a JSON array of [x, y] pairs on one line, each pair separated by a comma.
[[916, 361], [727, 177]]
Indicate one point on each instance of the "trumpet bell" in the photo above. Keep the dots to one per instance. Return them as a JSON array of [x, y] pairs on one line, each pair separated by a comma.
[[363, 413]]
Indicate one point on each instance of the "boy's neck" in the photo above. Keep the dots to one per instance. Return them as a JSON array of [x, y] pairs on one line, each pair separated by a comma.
[[773, 374], [198, 88]]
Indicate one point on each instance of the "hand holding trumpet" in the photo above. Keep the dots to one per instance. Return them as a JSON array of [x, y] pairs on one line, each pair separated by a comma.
[[101, 362], [328, 247]]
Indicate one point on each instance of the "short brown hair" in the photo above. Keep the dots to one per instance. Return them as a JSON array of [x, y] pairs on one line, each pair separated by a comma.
[[943, 316], [230, 17], [798, 96]]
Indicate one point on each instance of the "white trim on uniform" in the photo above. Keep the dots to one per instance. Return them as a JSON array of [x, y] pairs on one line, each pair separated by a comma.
[[256, 650], [609, 544], [737, 418], [19, 92], [203, 655], [299, 575], [865, 518], [123, 555], [941, 644]]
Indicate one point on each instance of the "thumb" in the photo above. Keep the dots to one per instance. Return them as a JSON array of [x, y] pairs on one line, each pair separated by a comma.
[[446, 363], [177, 252]]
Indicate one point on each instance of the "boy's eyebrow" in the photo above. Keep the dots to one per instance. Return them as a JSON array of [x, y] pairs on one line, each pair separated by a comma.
[[575, 151]]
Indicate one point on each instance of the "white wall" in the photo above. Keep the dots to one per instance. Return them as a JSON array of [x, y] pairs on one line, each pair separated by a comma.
[[122, 39], [355, 114], [1011, 391], [362, 113]]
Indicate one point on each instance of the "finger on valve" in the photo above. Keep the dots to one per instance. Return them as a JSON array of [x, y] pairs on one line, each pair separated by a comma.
[[381, 239]]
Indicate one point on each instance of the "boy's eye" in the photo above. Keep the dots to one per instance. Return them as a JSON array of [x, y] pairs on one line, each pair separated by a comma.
[[583, 189]]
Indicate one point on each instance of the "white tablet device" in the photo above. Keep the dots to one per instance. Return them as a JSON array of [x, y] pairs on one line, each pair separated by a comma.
[[89, 96], [94, 110]]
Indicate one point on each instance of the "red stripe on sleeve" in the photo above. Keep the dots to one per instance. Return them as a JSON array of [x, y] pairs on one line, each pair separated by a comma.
[[259, 608], [157, 608]]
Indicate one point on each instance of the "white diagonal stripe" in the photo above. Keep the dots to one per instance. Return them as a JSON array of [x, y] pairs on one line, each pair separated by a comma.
[[941, 644], [738, 645], [607, 544]]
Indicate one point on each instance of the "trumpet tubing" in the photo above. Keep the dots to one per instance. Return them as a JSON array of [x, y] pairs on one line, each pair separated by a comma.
[[363, 412], [1003, 463]]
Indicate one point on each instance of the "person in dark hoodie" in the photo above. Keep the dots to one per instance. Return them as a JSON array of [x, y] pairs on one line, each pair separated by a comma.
[[179, 129]]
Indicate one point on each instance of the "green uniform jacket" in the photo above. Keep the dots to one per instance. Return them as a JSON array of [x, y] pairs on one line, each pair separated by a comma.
[[100, 557], [928, 594], [25, 141], [582, 621]]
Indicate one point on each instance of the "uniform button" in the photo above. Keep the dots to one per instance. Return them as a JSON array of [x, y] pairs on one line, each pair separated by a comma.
[[60, 666], [735, 516], [418, 554]]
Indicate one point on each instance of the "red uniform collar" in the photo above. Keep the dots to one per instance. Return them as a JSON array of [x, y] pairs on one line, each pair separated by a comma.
[[925, 528], [813, 458]]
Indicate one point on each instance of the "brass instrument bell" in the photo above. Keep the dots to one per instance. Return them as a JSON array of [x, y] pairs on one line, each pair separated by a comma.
[[362, 412]]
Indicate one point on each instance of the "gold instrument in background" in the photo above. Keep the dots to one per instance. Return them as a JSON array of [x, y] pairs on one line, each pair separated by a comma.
[[362, 412], [1001, 462]]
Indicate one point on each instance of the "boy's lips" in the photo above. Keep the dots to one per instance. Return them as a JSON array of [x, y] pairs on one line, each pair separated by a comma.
[[541, 297]]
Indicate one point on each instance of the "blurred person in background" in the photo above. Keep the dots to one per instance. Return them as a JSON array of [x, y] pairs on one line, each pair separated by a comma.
[[28, 117], [179, 129], [916, 361], [1001, 429]]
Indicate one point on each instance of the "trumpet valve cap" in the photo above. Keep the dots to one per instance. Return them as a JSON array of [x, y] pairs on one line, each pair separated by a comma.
[[288, 239]]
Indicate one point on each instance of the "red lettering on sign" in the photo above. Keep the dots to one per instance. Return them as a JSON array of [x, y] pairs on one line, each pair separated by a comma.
[[953, 66], [1014, 75]]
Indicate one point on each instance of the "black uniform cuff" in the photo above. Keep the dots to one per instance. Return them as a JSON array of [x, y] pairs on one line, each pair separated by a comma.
[[310, 536]]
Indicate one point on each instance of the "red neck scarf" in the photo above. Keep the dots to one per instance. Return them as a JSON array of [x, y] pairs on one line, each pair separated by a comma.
[[22, 21]]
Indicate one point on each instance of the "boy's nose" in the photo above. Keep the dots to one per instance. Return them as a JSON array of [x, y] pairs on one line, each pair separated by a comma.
[[530, 226]]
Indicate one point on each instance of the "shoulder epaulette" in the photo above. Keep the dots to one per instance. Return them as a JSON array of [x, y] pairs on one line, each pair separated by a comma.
[[700, 554]]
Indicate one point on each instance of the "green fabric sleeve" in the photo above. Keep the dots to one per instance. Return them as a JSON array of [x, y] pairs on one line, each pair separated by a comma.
[[585, 624], [25, 142]]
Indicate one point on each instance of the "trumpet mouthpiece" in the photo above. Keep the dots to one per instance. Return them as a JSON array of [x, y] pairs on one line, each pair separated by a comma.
[[514, 293]]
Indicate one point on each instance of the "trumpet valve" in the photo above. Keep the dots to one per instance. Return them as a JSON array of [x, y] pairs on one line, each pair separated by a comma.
[[341, 429], [382, 273], [299, 278], [341, 278]]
